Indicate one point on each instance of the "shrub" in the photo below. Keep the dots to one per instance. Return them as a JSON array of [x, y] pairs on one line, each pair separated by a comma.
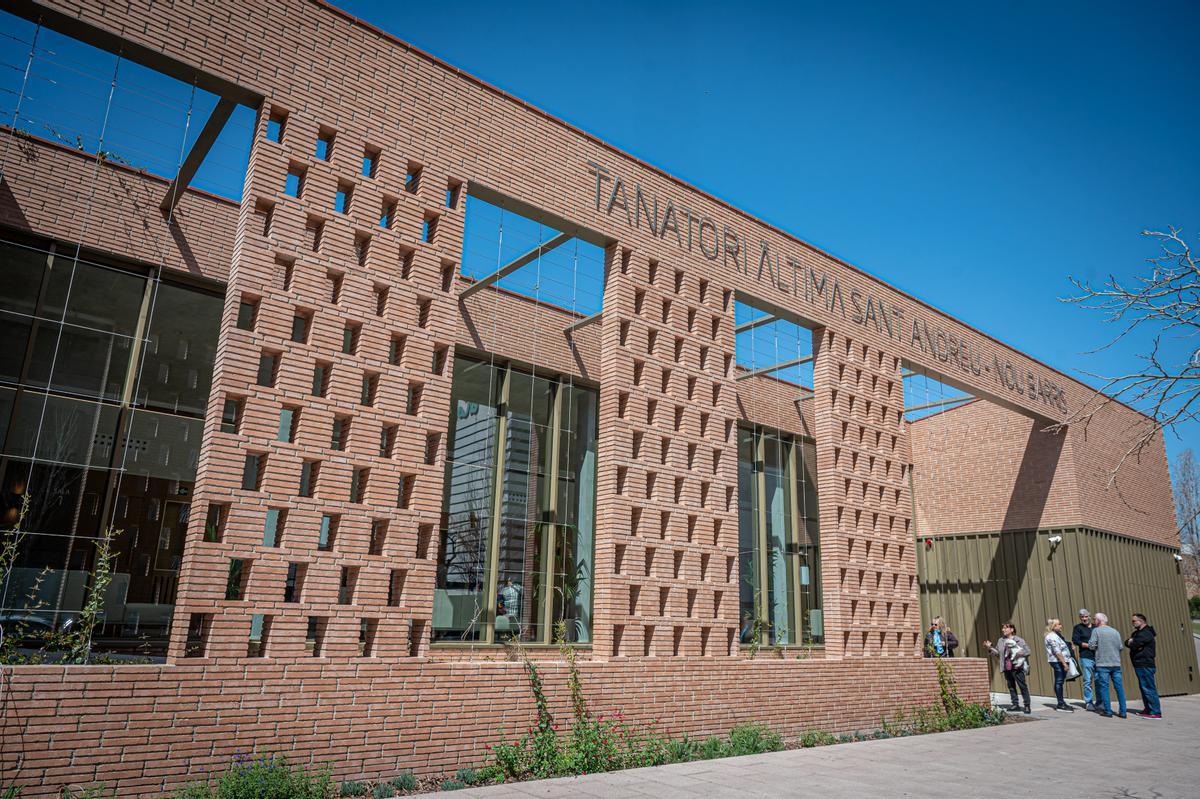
[[1194, 606], [353, 788], [753, 739], [263, 777], [711, 748], [404, 781], [453, 785], [467, 775], [383, 790], [817, 738], [682, 750]]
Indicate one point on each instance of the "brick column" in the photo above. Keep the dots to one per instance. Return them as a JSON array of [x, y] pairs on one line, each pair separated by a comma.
[[666, 552], [395, 286], [869, 568]]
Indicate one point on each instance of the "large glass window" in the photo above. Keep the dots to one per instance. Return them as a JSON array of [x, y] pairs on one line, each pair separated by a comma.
[[778, 540], [104, 379], [519, 508]]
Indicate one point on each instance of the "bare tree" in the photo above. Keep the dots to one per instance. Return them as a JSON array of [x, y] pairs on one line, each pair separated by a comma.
[[1165, 305], [1187, 511]]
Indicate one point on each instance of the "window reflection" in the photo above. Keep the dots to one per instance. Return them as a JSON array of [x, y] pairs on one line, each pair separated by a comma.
[[74, 445], [778, 540], [517, 573]]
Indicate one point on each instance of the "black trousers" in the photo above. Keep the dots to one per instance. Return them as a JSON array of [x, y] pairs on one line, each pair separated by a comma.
[[1015, 680]]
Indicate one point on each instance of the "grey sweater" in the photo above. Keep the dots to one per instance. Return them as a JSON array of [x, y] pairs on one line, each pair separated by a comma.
[[1107, 644]]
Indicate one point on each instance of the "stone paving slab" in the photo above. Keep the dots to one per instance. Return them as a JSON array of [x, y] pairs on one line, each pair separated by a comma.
[[1057, 755]]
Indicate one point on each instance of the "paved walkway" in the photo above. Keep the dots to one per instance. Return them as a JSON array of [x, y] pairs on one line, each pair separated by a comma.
[[1059, 755]]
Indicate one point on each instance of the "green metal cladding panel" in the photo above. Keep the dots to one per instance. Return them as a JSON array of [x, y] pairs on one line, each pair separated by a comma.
[[977, 581]]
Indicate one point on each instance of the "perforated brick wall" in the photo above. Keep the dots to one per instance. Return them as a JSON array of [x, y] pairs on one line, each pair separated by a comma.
[[381, 303], [870, 574]]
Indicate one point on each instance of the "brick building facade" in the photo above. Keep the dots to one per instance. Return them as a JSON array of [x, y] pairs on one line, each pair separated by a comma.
[[340, 590]]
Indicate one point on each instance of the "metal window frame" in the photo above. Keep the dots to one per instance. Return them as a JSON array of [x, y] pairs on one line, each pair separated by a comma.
[[792, 463], [547, 526]]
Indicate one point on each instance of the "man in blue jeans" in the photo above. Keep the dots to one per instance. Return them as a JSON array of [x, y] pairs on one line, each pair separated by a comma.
[[1107, 644], [1141, 654], [1087, 658]]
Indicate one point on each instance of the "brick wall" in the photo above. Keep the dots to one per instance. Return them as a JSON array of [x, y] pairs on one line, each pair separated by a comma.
[[144, 729], [328, 69], [666, 572], [983, 468], [61, 192]]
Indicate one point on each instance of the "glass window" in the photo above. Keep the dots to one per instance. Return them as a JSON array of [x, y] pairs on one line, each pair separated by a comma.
[[183, 338], [458, 604], [94, 297], [75, 335], [514, 563], [79, 361], [778, 540]]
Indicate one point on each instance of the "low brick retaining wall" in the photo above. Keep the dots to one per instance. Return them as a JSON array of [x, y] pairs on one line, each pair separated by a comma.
[[146, 729]]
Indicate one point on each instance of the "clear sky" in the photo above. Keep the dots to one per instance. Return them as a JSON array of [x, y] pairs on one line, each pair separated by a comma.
[[972, 154]]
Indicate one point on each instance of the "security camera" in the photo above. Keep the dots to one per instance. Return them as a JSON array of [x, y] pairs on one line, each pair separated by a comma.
[[1177, 557], [1055, 539]]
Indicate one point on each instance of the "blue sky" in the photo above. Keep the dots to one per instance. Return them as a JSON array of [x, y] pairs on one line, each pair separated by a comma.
[[972, 155]]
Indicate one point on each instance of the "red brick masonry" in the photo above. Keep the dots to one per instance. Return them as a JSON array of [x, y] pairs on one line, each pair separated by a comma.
[[143, 729], [662, 357]]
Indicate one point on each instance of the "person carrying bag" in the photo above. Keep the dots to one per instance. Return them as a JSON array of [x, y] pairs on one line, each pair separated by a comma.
[[1058, 655]]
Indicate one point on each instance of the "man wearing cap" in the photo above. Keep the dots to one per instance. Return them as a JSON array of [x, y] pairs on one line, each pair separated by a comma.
[[1087, 656]]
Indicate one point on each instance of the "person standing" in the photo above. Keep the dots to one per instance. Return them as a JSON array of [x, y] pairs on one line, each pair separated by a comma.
[[1107, 644], [1013, 654], [1141, 654], [1058, 655], [940, 641], [1087, 656]]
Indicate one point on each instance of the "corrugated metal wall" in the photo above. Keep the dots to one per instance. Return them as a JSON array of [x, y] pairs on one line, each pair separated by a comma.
[[978, 581]]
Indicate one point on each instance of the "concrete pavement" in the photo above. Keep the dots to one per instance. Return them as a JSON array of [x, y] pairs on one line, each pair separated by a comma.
[[1057, 755]]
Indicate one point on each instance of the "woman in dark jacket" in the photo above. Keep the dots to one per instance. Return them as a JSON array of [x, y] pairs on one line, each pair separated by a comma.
[[940, 642]]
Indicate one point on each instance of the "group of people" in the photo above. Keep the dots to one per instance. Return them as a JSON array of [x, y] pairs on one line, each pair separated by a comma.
[[1098, 662]]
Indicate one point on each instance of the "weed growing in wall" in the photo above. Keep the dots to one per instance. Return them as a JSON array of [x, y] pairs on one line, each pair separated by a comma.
[[949, 713]]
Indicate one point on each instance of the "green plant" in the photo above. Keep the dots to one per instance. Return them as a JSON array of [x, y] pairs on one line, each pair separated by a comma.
[[489, 774], [383, 790], [813, 738], [753, 739], [453, 785], [74, 644], [681, 750], [80, 648], [758, 625], [263, 777], [1194, 606], [352, 788], [11, 792], [574, 684], [404, 781], [711, 748], [467, 775], [949, 713]]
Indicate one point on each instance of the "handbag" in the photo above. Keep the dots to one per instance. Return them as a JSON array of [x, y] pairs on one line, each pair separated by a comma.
[[1072, 669]]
